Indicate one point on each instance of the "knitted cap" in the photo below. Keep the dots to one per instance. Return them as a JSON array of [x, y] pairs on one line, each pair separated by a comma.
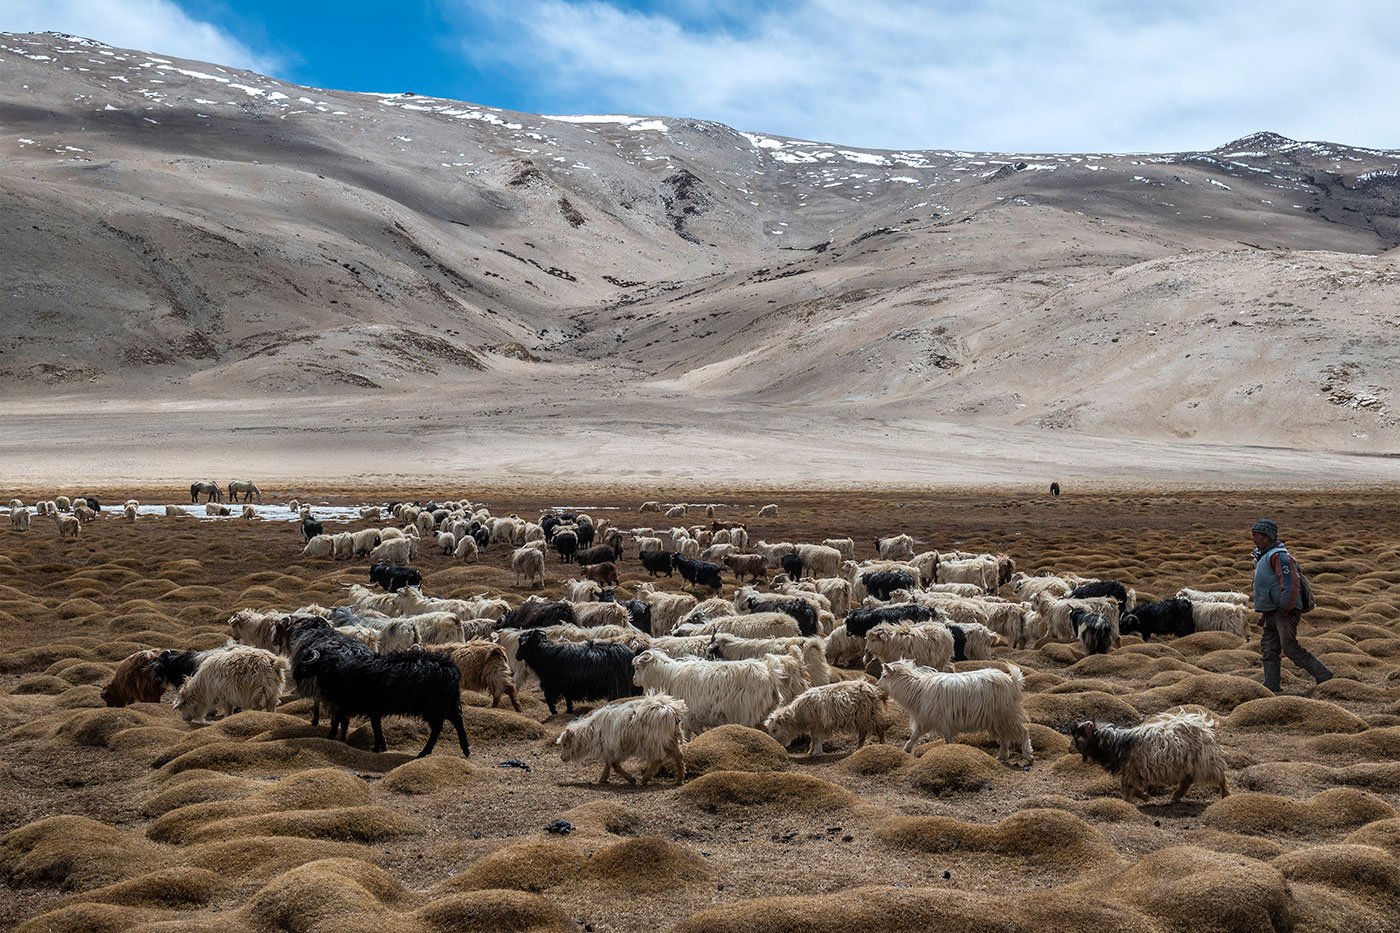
[[1267, 527]]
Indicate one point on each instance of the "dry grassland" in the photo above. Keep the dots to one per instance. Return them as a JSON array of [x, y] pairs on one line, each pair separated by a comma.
[[131, 819]]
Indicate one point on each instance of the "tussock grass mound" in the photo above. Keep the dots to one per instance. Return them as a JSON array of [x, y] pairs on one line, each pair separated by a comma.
[[1061, 710], [428, 775], [342, 824], [171, 888], [604, 816], [499, 725], [1382, 743], [41, 685], [734, 748], [1193, 890], [1255, 847], [1132, 666], [88, 918], [1204, 643], [946, 770], [40, 657], [866, 908], [78, 608], [145, 738], [194, 787], [95, 727], [1294, 714], [647, 865], [1364, 872], [737, 790], [73, 852], [1097, 810], [1344, 689], [1089, 684], [875, 759], [495, 911], [1040, 836], [283, 755], [86, 696], [1217, 692], [1331, 811], [331, 894], [1383, 834], [263, 857], [529, 866]]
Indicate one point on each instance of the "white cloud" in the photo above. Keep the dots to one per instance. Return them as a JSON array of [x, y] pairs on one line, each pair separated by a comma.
[[158, 26], [1008, 75]]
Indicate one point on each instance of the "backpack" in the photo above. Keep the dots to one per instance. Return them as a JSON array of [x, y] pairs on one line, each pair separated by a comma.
[[1306, 601]]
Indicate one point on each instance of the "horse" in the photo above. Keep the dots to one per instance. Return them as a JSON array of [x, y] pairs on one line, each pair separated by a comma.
[[245, 486], [211, 490]]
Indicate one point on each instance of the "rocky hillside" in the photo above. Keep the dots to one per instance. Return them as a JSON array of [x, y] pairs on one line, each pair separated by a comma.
[[180, 230]]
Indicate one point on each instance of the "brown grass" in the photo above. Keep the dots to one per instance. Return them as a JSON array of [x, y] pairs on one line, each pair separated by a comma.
[[734, 748]]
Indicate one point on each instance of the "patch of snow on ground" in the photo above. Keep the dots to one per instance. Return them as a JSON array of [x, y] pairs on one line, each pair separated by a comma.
[[632, 123]]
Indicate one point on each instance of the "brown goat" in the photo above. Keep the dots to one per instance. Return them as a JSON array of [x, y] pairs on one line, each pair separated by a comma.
[[752, 566], [484, 667], [133, 681], [601, 574]]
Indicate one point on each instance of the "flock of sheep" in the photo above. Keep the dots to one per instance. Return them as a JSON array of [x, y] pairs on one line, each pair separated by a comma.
[[817, 649]]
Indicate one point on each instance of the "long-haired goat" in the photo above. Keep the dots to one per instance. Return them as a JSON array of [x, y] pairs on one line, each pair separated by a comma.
[[986, 700], [850, 705], [1169, 749], [649, 728]]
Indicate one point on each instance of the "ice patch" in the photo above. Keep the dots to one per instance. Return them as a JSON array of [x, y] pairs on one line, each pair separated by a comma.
[[632, 123]]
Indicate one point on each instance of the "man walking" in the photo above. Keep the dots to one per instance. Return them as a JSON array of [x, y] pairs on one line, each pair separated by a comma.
[[1278, 595]]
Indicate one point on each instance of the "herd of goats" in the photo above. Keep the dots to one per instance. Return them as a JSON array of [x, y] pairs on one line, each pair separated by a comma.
[[812, 643]]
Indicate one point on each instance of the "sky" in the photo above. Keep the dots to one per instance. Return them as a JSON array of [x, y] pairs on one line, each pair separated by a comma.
[[989, 75]]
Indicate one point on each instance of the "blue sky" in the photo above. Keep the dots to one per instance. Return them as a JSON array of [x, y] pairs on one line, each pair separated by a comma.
[[1007, 75]]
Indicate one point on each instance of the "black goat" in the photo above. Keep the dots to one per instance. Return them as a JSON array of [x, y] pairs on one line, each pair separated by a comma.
[[641, 612], [548, 524], [792, 565], [699, 572], [586, 533], [1110, 588], [392, 578], [297, 635], [90, 500], [417, 683], [588, 671], [566, 543], [538, 613], [882, 583], [860, 621], [598, 554], [959, 641], [172, 668], [1164, 617], [657, 561], [802, 612], [1092, 630], [482, 538], [310, 528]]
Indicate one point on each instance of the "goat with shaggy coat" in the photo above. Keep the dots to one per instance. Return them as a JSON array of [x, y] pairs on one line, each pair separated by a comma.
[[1028, 588], [392, 578], [604, 574], [1215, 596], [928, 644], [1055, 614], [978, 571], [1163, 617], [236, 678], [415, 683], [754, 625], [649, 728], [861, 621], [537, 613], [1092, 630], [881, 584], [1169, 749], [899, 547], [818, 560], [590, 671], [255, 629], [134, 681], [720, 692], [699, 572], [1125, 597], [528, 564], [1221, 617], [986, 700], [847, 706], [844, 649], [800, 609], [484, 668], [666, 608], [746, 566], [727, 647]]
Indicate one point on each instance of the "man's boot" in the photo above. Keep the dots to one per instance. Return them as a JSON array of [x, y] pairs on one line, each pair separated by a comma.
[[1272, 673], [1319, 670]]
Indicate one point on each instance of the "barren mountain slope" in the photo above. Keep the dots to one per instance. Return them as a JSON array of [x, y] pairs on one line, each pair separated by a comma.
[[178, 234]]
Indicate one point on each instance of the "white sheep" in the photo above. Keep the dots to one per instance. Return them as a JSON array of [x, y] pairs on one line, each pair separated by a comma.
[[978, 571], [215, 509], [1220, 617], [716, 553], [436, 628], [320, 546], [1028, 588], [720, 692], [237, 678], [62, 503], [773, 553], [446, 542], [756, 625], [528, 565], [68, 526], [927, 562], [965, 590], [899, 547], [846, 706], [986, 700], [928, 644], [667, 609], [689, 547], [255, 629], [533, 532], [649, 728], [1170, 749], [729, 647], [424, 523], [1216, 596], [395, 550], [82, 513], [466, 550]]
